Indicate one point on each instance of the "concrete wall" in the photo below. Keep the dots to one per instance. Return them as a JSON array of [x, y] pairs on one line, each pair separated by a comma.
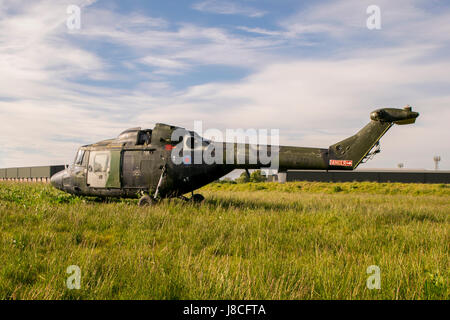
[[376, 176], [42, 173]]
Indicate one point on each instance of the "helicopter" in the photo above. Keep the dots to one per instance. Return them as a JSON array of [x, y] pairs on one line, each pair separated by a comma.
[[169, 161]]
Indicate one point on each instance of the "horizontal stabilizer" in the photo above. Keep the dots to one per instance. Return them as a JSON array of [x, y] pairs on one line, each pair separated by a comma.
[[397, 116]]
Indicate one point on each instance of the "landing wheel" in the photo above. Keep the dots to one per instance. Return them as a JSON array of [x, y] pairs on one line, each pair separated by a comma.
[[197, 198], [146, 201]]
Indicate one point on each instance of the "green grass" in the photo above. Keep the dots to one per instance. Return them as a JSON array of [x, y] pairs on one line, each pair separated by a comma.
[[247, 241]]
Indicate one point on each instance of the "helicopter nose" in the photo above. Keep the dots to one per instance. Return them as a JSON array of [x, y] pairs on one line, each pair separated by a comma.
[[56, 180]]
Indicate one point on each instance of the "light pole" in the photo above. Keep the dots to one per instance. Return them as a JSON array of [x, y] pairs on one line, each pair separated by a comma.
[[436, 162]]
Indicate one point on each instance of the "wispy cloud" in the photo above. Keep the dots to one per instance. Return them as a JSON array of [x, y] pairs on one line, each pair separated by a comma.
[[402, 20], [164, 63], [260, 31], [228, 7]]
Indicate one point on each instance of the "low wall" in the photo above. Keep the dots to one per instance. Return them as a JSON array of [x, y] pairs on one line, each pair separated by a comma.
[[30, 174], [375, 176]]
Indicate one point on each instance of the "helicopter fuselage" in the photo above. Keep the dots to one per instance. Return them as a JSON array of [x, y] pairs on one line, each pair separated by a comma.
[[152, 162]]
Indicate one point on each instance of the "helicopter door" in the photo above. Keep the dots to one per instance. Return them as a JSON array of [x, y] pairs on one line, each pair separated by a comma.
[[134, 169], [103, 169]]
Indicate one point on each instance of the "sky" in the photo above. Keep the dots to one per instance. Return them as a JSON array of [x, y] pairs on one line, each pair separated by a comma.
[[312, 69]]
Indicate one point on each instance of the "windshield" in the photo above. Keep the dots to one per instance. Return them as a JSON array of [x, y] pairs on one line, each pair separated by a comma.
[[79, 157]]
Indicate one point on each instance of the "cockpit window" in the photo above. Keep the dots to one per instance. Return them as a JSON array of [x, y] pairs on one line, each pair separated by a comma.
[[101, 163], [144, 137], [79, 157]]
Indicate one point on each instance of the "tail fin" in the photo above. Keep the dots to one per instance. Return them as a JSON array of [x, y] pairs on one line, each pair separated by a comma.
[[349, 153]]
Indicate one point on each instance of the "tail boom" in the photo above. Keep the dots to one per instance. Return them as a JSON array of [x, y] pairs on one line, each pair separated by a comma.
[[344, 155]]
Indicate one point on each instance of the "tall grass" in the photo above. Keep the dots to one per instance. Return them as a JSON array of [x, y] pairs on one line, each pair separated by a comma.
[[249, 241]]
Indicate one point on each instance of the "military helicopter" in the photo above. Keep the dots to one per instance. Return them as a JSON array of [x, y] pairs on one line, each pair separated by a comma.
[[145, 163]]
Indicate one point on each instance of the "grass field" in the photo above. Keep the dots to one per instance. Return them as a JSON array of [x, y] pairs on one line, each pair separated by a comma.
[[246, 241]]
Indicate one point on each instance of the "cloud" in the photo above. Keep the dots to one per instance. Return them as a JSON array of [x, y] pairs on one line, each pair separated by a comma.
[[228, 7], [174, 47], [345, 20], [316, 103], [61, 90]]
